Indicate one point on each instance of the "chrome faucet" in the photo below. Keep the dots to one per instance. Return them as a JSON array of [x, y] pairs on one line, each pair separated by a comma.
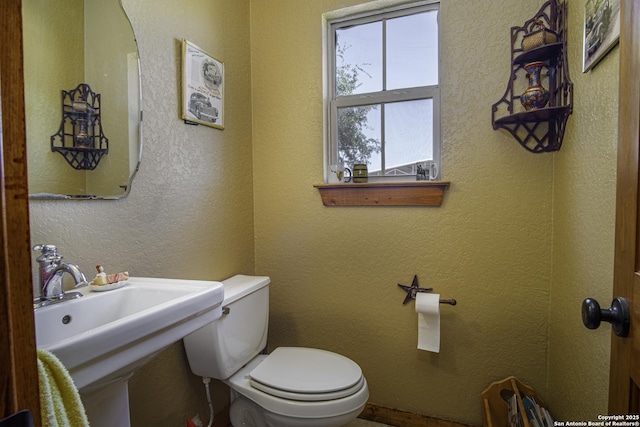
[[51, 268]]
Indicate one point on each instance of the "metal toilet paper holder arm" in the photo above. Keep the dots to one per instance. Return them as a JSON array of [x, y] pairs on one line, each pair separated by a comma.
[[415, 288]]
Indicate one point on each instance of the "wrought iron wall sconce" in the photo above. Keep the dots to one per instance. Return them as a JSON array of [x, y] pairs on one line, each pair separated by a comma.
[[80, 139]]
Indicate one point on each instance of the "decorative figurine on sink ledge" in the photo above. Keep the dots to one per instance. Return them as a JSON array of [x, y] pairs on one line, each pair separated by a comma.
[[104, 282]]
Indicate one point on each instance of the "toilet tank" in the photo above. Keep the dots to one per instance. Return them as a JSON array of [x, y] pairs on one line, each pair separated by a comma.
[[220, 348]]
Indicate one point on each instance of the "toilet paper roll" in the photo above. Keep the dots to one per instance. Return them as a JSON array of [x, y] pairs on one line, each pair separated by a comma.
[[428, 309]]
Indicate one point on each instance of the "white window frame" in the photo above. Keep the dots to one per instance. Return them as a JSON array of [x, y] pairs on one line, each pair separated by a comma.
[[381, 97]]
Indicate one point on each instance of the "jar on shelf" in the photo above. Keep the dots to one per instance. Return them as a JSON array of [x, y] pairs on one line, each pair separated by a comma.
[[536, 96]]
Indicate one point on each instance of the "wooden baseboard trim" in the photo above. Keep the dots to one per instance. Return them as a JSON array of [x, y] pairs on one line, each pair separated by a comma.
[[398, 418], [375, 413]]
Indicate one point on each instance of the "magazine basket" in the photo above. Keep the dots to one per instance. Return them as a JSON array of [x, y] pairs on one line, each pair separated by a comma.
[[494, 407]]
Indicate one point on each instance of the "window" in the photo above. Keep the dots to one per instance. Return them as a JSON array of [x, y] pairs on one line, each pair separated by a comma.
[[384, 100]]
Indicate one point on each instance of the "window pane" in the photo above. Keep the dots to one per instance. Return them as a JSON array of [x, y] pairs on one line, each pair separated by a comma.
[[359, 135], [359, 59], [408, 135], [412, 51], [391, 60]]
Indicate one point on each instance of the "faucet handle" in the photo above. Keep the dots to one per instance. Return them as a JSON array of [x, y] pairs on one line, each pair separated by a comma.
[[46, 249], [48, 253]]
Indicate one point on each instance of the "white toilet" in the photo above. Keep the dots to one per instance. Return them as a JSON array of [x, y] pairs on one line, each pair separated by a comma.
[[291, 387]]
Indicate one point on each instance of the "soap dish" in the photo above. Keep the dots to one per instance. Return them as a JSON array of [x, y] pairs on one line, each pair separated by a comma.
[[109, 287]]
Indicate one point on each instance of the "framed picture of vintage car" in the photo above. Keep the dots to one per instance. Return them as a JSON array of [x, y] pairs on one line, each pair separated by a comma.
[[601, 30], [202, 87]]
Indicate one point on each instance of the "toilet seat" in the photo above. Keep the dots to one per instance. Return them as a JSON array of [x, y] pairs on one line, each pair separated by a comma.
[[309, 397], [240, 382], [307, 374]]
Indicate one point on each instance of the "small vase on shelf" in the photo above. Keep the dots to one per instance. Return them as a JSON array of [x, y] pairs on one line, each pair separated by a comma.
[[535, 96]]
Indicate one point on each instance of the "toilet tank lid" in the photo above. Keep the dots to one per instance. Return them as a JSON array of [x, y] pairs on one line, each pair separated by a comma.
[[240, 285]]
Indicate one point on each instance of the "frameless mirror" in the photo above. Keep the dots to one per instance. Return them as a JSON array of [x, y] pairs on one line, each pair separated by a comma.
[[68, 44]]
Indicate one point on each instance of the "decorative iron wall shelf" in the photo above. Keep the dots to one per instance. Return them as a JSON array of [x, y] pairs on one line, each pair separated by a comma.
[[540, 129], [80, 139]]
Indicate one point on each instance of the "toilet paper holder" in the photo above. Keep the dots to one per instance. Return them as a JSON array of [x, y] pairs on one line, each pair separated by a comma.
[[415, 288]]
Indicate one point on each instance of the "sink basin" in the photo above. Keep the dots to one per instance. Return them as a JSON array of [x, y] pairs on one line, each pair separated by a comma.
[[105, 336]]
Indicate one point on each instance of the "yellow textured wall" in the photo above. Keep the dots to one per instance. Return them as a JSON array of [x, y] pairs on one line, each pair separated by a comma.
[[334, 270], [109, 39], [583, 236], [51, 64], [189, 214]]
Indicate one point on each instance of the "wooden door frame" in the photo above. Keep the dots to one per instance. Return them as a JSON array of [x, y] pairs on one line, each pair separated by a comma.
[[626, 260], [19, 384]]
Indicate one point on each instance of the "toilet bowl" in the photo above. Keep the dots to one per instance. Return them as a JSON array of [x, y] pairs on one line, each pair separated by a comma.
[[292, 386]]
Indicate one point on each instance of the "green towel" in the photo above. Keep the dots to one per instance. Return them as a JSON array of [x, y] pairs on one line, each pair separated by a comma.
[[59, 398]]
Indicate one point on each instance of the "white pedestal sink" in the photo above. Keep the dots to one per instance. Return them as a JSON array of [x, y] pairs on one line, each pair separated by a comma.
[[103, 337]]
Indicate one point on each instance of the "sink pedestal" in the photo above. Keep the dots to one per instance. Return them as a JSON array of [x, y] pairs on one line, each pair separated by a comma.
[[108, 405]]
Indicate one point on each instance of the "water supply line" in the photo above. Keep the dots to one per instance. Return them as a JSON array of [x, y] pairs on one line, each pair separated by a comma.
[[206, 381]]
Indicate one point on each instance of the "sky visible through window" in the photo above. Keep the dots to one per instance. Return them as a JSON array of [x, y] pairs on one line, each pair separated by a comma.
[[412, 61]]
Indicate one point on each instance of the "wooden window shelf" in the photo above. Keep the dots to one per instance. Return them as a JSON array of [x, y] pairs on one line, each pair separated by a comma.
[[415, 193]]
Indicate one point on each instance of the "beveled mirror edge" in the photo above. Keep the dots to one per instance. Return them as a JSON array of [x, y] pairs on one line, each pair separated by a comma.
[[41, 196]]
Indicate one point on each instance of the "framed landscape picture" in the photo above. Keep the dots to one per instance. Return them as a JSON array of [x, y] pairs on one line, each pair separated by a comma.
[[202, 87]]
